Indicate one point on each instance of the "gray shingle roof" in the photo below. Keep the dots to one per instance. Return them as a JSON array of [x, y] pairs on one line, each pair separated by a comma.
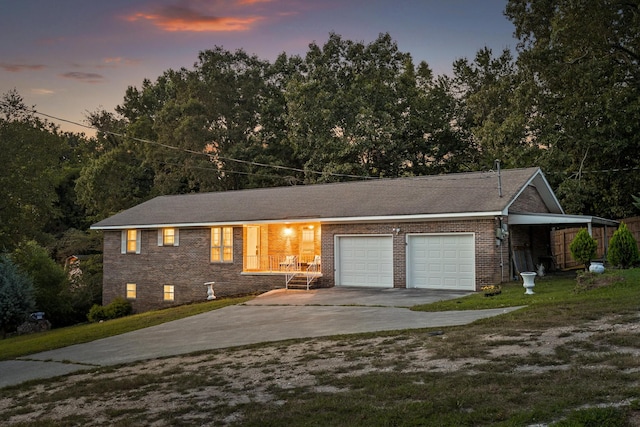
[[461, 193]]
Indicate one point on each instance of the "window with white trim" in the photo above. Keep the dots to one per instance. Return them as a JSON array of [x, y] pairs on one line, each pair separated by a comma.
[[222, 244], [169, 293], [168, 237], [131, 291], [130, 241]]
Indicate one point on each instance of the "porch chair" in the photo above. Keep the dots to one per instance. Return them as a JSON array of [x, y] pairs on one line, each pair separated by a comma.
[[314, 266], [288, 263]]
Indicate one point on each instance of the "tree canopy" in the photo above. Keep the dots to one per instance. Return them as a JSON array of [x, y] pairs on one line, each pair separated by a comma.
[[566, 99], [581, 59]]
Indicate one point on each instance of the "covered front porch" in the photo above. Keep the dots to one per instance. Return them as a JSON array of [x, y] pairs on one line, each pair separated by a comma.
[[282, 248]]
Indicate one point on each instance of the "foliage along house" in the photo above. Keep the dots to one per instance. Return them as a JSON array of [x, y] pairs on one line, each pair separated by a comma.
[[457, 231]]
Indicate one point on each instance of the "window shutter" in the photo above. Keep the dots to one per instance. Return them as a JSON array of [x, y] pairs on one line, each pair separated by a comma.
[[176, 237], [138, 240], [123, 242], [160, 241]]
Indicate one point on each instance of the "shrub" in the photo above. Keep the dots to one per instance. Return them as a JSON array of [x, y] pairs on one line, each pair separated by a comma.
[[623, 248], [583, 247], [119, 307], [16, 296], [96, 313], [49, 280]]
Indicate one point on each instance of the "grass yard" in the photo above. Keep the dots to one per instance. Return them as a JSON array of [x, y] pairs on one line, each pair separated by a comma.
[[570, 358], [56, 338]]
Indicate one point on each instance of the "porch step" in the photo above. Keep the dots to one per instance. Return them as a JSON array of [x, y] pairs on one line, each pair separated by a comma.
[[299, 281]]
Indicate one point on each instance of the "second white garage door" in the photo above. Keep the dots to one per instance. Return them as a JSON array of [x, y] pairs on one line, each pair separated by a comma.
[[364, 261], [441, 261]]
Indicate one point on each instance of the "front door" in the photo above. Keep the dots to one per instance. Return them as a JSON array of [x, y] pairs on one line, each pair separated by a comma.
[[253, 247]]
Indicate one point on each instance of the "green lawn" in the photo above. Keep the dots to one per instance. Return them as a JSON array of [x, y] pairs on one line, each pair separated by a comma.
[[549, 364], [18, 346]]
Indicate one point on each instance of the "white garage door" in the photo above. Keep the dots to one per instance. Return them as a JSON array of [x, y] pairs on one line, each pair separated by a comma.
[[364, 261], [441, 261]]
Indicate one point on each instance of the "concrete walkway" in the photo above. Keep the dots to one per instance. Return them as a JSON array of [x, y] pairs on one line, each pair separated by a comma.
[[274, 316]]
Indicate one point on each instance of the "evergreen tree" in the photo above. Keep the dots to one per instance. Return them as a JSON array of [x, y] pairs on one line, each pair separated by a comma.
[[583, 248], [623, 248], [16, 296]]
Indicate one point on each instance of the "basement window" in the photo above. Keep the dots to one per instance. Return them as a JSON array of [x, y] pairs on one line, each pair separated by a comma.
[[169, 293], [131, 291]]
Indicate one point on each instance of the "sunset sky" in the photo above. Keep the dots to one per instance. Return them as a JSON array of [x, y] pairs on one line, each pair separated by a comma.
[[70, 57]]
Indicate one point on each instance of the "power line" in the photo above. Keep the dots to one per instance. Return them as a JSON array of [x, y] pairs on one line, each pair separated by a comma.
[[211, 156]]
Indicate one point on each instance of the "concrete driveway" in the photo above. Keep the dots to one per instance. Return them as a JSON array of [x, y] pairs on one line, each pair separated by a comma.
[[274, 316]]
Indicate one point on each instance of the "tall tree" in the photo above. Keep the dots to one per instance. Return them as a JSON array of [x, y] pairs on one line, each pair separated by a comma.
[[583, 56], [365, 110], [209, 126], [31, 155], [495, 110], [116, 177]]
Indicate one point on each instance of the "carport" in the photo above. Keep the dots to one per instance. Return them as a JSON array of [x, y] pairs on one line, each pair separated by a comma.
[[531, 243]]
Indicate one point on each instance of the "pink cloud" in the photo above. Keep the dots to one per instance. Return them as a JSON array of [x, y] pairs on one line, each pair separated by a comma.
[[84, 77], [198, 16], [184, 17], [40, 91], [15, 68], [252, 2], [118, 60]]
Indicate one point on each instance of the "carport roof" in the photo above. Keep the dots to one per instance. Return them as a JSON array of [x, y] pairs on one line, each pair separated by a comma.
[[559, 220], [435, 196]]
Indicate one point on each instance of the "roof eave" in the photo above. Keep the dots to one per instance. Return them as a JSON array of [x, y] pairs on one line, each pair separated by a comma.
[[334, 220], [558, 219]]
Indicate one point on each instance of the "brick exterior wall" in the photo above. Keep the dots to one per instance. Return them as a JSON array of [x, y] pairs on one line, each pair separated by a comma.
[[186, 267], [487, 253], [529, 201]]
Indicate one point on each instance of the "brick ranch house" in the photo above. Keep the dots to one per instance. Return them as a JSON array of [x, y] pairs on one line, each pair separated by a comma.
[[457, 231]]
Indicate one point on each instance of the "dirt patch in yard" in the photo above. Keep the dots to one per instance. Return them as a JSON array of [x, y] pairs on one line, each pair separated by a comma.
[[219, 387]]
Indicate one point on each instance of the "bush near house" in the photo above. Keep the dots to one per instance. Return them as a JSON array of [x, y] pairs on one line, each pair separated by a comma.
[[119, 307], [623, 248], [16, 296], [49, 279], [583, 248]]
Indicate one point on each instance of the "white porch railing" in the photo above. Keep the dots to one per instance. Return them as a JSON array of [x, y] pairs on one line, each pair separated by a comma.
[[289, 265], [313, 271], [273, 263]]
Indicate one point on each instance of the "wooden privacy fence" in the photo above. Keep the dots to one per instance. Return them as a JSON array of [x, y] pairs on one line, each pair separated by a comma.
[[561, 239]]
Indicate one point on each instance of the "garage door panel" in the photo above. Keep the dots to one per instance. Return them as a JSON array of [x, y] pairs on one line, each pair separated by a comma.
[[444, 261], [364, 261]]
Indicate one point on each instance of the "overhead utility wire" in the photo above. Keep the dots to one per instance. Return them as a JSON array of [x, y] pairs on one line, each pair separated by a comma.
[[186, 150], [277, 166]]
